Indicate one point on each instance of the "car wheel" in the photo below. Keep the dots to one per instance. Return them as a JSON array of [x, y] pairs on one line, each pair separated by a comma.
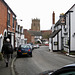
[[30, 55], [18, 56]]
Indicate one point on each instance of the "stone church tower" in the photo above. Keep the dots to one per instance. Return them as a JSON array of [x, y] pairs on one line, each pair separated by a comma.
[[35, 26]]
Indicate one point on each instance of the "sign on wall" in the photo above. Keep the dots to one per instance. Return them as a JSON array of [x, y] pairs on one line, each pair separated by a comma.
[[62, 19], [55, 43]]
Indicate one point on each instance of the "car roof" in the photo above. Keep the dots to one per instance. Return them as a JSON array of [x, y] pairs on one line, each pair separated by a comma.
[[70, 65], [28, 44], [24, 44]]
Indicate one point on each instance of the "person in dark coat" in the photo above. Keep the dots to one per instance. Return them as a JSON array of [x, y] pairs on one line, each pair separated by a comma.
[[7, 50]]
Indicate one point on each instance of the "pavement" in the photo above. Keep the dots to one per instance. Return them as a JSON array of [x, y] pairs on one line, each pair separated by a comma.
[[67, 54], [7, 70], [70, 55]]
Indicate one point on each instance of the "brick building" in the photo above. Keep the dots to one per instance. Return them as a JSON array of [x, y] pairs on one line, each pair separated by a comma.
[[46, 31], [7, 23], [19, 36], [32, 36]]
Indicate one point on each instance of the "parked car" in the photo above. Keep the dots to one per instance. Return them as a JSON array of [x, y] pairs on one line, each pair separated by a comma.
[[24, 50], [36, 46], [66, 70], [46, 44]]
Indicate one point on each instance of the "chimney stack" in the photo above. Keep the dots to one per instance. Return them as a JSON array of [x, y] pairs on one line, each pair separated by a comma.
[[53, 17]]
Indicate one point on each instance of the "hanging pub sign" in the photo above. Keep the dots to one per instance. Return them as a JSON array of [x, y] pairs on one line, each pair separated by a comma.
[[62, 19]]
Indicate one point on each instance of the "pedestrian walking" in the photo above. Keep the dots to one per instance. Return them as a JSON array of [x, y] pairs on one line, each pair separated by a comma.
[[7, 51]]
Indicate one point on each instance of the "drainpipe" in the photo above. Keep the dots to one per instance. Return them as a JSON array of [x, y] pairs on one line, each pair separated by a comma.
[[69, 31], [61, 38], [7, 21]]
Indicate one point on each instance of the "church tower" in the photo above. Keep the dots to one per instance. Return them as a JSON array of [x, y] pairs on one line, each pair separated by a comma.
[[35, 26]]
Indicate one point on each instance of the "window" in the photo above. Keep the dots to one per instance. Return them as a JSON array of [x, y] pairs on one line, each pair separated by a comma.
[[68, 73], [16, 27], [5, 34], [13, 22], [66, 42], [21, 29], [25, 46], [8, 19]]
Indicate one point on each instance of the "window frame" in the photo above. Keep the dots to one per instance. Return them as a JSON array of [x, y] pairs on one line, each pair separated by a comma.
[[8, 19], [13, 22]]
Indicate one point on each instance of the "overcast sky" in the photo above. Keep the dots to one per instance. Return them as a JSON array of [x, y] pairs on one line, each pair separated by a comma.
[[41, 9]]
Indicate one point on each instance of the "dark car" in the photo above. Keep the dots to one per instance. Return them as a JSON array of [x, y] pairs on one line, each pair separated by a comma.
[[24, 50], [66, 70]]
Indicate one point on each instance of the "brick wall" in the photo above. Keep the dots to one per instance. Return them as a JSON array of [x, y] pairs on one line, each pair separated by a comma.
[[27, 35], [3, 17], [32, 39], [11, 23]]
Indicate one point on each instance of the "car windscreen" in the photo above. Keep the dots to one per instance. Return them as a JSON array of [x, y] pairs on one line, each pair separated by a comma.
[[30, 45], [68, 73], [25, 46]]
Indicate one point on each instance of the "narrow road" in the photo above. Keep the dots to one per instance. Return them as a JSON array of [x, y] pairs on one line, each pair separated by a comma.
[[41, 61]]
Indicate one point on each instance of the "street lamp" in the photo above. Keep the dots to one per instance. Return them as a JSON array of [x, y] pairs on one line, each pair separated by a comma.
[[19, 19]]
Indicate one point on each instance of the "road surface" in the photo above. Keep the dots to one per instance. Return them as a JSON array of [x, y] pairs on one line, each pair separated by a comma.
[[41, 61]]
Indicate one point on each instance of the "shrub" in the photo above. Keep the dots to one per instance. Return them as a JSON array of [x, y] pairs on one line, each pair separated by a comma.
[[63, 51]]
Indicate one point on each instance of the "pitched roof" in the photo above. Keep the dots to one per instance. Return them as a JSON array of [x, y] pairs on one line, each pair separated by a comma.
[[69, 9], [57, 23], [35, 33], [54, 33]]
